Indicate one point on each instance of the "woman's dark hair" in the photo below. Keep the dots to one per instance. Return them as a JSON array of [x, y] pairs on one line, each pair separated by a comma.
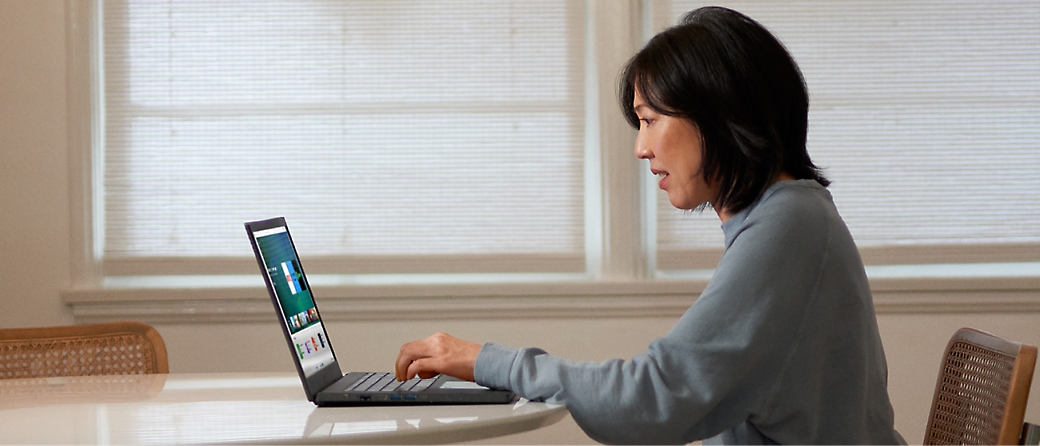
[[741, 89]]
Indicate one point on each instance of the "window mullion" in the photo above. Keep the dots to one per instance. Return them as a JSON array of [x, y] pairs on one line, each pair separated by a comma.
[[615, 34]]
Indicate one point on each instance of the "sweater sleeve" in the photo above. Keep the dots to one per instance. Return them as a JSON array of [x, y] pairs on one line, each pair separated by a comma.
[[715, 369]]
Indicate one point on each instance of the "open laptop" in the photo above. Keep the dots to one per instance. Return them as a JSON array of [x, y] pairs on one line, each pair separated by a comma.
[[311, 349]]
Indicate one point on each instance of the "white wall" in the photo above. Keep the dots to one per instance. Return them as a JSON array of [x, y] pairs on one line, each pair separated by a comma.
[[35, 247], [34, 189]]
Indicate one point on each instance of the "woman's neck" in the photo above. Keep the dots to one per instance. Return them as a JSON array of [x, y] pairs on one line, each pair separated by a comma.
[[725, 214]]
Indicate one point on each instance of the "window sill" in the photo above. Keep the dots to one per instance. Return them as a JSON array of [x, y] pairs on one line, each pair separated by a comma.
[[573, 299]]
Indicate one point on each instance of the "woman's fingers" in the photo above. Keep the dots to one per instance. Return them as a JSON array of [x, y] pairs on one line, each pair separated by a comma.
[[409, 354], [438, 353], [422, 368]]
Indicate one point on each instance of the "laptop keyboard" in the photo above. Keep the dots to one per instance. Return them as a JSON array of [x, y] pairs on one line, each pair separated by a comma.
[[387, 382]]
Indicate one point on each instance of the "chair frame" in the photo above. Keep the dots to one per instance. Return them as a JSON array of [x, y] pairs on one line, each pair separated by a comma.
[[71, 331], [1018, 390]]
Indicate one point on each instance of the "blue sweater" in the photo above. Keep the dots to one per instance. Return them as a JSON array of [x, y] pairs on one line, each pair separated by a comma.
[[781, 347]]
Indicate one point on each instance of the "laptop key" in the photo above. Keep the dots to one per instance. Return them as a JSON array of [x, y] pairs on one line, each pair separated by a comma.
[[423, 385], [408, 385], [362, 381], [382, 382], [391, 386]]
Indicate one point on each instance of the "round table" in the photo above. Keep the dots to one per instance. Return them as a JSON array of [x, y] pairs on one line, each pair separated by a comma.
[[235, 408]]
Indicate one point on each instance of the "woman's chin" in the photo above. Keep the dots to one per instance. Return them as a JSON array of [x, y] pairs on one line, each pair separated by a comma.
[[679, 203], [685, 203]]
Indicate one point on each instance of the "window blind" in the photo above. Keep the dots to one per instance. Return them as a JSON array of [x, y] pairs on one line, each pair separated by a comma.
[[394, 136], [925, 115]]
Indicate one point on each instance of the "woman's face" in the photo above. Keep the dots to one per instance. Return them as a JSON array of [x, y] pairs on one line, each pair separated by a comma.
[[673, 146]]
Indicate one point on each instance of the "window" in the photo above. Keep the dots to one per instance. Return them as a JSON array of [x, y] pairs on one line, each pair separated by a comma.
[[925, 115], [474, 144], [394, 136]]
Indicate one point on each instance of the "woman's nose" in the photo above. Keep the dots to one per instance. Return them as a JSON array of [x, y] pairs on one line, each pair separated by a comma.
[[642, 151]]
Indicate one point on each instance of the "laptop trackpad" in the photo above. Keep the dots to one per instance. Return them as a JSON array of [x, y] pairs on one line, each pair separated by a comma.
[[454, 385]]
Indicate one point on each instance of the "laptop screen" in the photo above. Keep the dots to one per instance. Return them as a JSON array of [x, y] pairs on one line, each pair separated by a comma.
[[295, 301]]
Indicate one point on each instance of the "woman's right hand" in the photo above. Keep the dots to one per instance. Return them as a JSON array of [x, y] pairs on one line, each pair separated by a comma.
[[439, 353]]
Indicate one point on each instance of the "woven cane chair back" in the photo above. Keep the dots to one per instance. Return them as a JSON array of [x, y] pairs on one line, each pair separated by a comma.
[[114, 348], [980, 396]]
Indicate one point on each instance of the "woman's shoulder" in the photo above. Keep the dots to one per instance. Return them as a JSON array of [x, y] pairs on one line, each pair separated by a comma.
[[797, 202], [787, 210], [795, 192]]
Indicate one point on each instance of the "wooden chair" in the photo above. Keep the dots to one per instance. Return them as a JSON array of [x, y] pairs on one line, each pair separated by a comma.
[[980, 396], [114, 348]]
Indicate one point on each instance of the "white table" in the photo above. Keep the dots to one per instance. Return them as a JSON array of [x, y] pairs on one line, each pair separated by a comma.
[[234, 408]]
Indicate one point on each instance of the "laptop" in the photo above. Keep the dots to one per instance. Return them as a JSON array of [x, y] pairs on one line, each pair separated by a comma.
[[311, 348]]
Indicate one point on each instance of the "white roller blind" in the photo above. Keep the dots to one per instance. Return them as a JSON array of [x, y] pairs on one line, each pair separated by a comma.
[[925, 115], [388, 130]]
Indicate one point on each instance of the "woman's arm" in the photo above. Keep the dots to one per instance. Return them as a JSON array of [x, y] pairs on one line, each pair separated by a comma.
[[715, 369]]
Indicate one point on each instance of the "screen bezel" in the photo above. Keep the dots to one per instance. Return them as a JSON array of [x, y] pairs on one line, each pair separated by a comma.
[[330, 373]]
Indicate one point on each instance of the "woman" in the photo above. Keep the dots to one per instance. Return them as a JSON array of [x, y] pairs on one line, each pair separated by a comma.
[[782, 346]]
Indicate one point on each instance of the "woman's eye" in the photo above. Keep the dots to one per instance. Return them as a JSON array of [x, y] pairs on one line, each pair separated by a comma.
[[646, 121]]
